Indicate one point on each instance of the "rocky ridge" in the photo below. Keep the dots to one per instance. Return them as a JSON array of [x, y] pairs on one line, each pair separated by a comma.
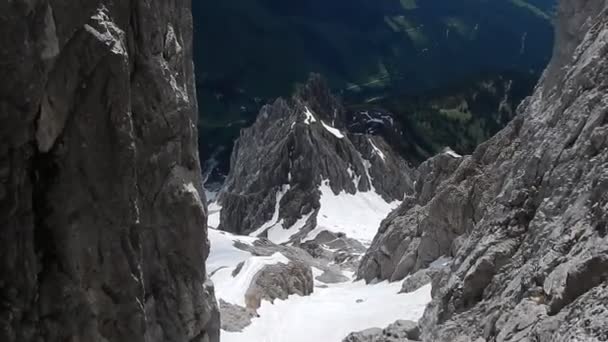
[[295, 147], [102, 215], [524, 217]]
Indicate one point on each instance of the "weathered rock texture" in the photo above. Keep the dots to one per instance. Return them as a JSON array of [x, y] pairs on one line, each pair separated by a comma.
[[279, 281], [102, 228], [400, 331], [290, 149], [423, 228], [235, 318], [525, 216], [424, 277]]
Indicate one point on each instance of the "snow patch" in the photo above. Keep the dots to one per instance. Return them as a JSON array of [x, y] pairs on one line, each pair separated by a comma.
[[280, 234], [275, 216], [316, 272], [377, 150], [336, 132], [223, 253], [358, 216], [214, 211], [331, 313], [451, 153], [441, 262], [310, 118], [275, 228], [355, 177], [368, 165]]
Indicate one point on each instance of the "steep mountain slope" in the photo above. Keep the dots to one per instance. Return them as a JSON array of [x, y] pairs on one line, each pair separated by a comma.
[[269, 292], [308, 187], [298, 163], [102, 221], [524, 217]]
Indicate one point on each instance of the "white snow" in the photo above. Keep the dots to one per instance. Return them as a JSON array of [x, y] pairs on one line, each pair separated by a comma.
[[275, 216], [358, 216], [275, 228], [377, 150], [356, 178], [213, 215], [368, 165], [441, 262], [316, 273], [336, 132], [233, 289], [310, 118], [223, 253], [210, 195], [331, 313], [224, 258], [280, 234], [451, 153]]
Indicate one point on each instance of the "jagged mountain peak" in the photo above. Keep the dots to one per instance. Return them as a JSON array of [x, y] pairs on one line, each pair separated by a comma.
[[300, 149]]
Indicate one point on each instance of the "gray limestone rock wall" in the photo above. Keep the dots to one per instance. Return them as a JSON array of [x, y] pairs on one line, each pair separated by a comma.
[[279, 281], [102, 224], [293, 147], [526, 212], [424, 227]]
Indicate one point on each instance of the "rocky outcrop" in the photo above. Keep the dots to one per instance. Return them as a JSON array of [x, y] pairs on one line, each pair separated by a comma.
[[102, 218], [294, 147], [425, 276], [525, 215], [235, 318], [424, 227], [400, 331], [279, 281]]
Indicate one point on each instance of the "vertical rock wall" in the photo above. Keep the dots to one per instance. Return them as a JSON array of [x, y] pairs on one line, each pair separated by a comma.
[[102, 224]]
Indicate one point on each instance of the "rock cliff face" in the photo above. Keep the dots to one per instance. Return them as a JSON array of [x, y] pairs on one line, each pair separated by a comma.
[[102, 224], [294, 147], [524, 217], [422, 229]]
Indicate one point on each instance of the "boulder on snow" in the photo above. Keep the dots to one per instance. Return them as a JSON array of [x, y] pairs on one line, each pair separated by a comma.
[[279, 281], [416, 281], [367, 335], [400, 331]]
